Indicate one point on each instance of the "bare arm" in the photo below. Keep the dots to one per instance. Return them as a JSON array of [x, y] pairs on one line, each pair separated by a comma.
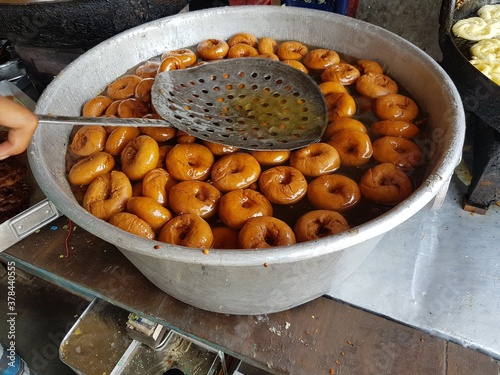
[[22, 124]]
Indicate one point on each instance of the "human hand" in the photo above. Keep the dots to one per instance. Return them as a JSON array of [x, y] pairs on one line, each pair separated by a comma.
[[21, 124]]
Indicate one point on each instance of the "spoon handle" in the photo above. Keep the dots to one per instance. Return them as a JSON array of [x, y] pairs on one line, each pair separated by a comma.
[[103, 121]]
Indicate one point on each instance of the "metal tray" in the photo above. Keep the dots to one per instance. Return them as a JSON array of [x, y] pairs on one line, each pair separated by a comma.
[[97, 340], [244, 368], [177, 355]]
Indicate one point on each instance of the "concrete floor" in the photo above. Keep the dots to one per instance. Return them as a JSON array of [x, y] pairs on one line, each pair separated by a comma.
[[46, 312]]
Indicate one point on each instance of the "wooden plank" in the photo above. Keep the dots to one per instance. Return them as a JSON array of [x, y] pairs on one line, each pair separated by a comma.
[[320, 337], [326, 334], [462, 361]]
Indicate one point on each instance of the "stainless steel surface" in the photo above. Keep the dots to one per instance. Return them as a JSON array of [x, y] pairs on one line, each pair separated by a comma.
[[237, 282], [27, 222], [7, 88], [256, 104], [438, 271], [12, 70], [44, 120]]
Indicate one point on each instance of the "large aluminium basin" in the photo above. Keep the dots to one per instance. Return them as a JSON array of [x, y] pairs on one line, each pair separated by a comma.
[[236, 281]]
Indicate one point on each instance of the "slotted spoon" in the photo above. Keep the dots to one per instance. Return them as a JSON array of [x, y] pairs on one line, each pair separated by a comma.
[[250, 103]]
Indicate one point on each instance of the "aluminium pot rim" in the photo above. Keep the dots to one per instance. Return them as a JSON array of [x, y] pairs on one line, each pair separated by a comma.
[[437, 179]]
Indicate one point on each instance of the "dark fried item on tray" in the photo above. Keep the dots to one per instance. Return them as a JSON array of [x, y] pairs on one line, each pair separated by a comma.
[[15, 191]]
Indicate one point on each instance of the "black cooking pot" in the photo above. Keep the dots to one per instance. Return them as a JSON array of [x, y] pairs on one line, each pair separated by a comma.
[[77, 23], [480, 98], [479, 94]]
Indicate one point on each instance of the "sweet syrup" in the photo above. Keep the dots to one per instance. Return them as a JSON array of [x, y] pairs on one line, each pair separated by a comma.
[[365, 210]]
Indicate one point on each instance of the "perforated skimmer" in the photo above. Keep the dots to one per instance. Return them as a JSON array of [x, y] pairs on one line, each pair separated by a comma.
[[250, 103]]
